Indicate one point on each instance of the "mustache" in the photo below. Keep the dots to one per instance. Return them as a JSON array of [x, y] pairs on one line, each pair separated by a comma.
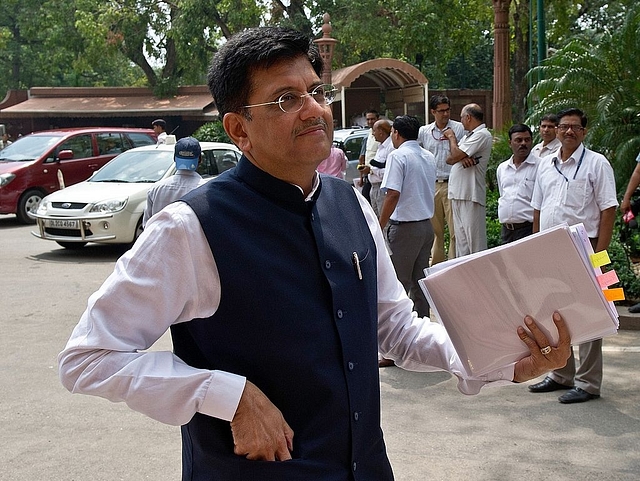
[[311, 123]]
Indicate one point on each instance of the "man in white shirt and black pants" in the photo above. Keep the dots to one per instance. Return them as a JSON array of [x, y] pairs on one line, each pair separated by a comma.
[[516, 178]]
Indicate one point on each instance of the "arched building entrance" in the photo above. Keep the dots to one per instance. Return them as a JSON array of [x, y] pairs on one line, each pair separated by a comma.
[[392, 86]]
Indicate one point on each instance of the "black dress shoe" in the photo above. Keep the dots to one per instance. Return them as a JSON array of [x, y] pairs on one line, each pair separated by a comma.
[[547, 385], [577, 395]]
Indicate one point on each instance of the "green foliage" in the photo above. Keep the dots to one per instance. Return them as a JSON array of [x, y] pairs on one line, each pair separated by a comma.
[[437, 33], [165, 87], [621, 263], [601, 76], [493, 224], [212, 132], [568, 18], [469, 70]]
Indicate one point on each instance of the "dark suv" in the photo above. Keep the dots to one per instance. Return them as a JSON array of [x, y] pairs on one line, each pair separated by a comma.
[[40, 163]]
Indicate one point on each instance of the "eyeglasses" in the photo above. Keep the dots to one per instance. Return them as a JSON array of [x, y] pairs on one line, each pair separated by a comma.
[[575, 128], [292, 102], [443, 111]]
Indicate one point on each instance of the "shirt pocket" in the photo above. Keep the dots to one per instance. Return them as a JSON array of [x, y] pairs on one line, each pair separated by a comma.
[[578, 193]]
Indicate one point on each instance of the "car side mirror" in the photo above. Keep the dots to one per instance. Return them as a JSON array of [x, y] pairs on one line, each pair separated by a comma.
[[65, 155]]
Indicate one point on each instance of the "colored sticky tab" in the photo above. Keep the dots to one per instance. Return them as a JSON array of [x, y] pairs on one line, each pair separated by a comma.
[[607, 279], [616, 294], [600, 259]]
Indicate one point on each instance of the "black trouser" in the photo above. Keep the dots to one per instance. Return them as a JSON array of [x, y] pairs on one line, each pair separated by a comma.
[[513, 232], [366, 188]]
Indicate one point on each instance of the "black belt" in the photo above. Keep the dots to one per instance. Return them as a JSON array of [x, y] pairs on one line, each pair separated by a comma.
[[520, 225], [398, 222], [442, 181]]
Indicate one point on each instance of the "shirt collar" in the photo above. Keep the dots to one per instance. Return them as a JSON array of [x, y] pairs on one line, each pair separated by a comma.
[[531, 159], [283, 193], [575, 155], [314, 188]]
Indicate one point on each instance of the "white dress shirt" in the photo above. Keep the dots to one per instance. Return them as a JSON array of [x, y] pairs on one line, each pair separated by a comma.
[[576, 190], [384, 149], [540, 150], [162, 138], [516, 189], [169, 277], [430, 137]]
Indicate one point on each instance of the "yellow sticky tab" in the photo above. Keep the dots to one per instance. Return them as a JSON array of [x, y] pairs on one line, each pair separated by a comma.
[[600, 259], [616, 294], [607, 279]]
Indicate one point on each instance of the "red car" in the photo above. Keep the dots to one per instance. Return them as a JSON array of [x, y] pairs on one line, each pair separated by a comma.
[[40, 163]]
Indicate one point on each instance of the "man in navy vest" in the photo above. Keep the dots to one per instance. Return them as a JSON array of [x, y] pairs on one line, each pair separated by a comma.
[[277, 300]]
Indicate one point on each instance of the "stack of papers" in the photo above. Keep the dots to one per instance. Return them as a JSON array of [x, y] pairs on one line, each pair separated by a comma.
[[482, 298]]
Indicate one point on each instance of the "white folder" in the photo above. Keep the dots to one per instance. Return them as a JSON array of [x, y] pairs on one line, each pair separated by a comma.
[[482, 298]]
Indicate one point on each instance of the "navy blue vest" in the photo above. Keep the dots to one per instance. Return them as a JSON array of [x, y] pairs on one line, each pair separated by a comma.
[[296, 320]]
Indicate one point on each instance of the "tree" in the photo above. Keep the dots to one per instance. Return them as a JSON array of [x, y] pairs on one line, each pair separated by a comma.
[[430, 35], [601, 75], [170, 41], [40, 46], [568, 18]]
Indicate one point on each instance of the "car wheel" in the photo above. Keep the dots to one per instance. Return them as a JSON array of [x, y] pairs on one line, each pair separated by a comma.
[[72, 245], [139, 229], [136, 233], [28, 203]]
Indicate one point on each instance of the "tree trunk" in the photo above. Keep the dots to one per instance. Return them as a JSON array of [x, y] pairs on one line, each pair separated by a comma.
[[520, 59]]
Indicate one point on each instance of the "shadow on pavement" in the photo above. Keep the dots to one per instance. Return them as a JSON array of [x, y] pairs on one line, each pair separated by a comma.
[[88, 254]]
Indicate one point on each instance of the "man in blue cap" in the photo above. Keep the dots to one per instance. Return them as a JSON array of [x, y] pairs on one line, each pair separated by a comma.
[[187, 157]]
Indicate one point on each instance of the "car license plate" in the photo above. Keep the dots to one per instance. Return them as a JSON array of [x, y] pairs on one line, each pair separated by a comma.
[[63, 224]]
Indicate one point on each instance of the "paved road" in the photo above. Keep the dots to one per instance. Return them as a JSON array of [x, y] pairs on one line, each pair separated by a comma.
[[433, 432]]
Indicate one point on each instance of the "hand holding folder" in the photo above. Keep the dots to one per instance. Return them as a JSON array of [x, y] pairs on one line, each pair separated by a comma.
[[481, 299]]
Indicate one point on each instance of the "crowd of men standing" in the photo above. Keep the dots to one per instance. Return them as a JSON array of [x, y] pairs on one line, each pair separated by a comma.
[[423, 180]]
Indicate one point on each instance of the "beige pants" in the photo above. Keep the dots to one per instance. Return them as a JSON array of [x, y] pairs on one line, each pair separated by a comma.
[[442, 216]]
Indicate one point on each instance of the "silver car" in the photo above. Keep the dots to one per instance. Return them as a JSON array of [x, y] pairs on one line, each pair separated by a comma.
[[108, 207]]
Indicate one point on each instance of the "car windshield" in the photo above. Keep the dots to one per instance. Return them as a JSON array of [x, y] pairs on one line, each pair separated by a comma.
[[27, 148], [136, 166]]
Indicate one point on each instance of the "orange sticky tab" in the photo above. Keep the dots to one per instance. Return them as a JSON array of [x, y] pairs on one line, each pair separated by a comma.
[[607, 279], [600, 259], [616, 294]]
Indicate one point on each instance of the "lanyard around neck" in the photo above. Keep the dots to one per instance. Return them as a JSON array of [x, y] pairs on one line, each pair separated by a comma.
[[555, 164]]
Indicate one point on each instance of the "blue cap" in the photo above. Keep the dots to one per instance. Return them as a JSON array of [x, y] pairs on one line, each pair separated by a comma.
[[187, 153]]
